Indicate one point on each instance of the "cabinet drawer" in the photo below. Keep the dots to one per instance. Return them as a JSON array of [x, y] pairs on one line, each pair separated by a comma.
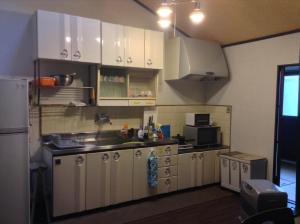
[[167, 171], [168, 161], [166, 185], [141, 102], [113, 103], [167, 150]]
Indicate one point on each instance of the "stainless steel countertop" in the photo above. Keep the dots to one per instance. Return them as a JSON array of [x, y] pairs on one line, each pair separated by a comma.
[[91, 148]]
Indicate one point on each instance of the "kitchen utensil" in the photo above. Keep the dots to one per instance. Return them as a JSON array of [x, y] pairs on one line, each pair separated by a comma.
[[45, 81], [64, 79]]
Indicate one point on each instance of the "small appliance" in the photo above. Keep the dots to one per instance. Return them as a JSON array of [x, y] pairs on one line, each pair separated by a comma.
[[194, 119], [204, 136]]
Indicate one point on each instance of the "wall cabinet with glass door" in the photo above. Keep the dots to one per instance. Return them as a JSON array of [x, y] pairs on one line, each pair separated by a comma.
[[123, 87]]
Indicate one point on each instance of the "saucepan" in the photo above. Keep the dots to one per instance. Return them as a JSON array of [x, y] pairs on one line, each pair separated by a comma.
[[64, 79]]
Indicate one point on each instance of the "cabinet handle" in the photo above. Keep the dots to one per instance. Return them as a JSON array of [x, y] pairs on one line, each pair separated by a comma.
[[138, 153], [129, 60], [116, 156], [167, 171], [79, 160], [168, 161], [167, 182], [64, 53], [77, 54], [224, 162], [201, 156], [149, 62], [194, 156], [245, 168], [119, 59], [105, 157], [168, 150], [234, 166]]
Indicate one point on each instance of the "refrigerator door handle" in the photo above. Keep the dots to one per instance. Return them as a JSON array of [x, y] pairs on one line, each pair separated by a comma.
[[13, 130]]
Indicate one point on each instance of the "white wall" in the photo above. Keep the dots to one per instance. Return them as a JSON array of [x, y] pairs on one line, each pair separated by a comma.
[[252, 91]]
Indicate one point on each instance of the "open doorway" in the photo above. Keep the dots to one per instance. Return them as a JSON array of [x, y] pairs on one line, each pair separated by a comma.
[[287, 133]]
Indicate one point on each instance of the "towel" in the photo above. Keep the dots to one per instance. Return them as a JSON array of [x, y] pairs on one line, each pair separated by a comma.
[[152, 170]]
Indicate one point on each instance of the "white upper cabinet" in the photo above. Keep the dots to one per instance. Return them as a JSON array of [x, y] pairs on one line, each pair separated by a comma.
[[53, 35], [61, 36], [154, 49], [122, 45], [112, 44], [85, 34], [134, 47]]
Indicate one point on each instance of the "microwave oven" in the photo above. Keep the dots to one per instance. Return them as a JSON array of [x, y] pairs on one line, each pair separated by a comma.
[[203, 135], [194, 119]]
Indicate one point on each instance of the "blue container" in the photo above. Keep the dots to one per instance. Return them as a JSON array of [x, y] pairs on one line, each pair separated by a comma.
[[166, 130]]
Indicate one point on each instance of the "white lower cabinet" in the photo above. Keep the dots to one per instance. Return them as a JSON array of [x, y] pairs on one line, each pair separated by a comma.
[[166, 185], [234, 174], [141, 188], [199, 168], [237, 167], [121, 176], [224, 163], [98, 180], [190, 170], [187, 170], [68, 184], [209, 167], [245, 171]]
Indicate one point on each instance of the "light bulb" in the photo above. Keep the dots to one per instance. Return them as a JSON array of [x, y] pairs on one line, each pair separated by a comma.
[[197, 16], [164, 23], [164, 11]]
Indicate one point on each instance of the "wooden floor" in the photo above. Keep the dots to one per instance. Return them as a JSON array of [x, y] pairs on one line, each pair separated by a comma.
[[205, 205]]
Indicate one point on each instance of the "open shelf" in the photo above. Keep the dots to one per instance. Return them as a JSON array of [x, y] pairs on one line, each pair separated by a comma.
[[125, 87], [65, 87]]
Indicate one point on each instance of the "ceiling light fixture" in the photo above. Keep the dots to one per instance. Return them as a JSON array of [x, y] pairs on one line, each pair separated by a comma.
[[197, 16], [164, 23], [164, 10], [168, 6]]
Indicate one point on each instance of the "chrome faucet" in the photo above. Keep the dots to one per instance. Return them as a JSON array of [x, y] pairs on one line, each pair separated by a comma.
[[102, 119]]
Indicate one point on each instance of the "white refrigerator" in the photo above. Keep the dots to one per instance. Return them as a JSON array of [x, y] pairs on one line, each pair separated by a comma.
[[14, 152]]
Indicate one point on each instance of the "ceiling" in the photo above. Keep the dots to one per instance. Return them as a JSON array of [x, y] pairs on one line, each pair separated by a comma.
[[233, 21]]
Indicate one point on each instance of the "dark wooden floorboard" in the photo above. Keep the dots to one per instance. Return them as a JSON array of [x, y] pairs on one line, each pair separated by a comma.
[[208, 205]]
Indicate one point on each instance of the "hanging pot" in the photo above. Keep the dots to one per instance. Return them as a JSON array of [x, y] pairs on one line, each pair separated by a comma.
[[64, 79]]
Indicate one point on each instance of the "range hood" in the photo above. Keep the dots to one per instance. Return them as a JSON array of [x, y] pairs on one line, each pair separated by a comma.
[[188, 58]]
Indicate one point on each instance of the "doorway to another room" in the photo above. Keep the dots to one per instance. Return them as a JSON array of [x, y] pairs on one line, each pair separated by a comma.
[[287, 134]]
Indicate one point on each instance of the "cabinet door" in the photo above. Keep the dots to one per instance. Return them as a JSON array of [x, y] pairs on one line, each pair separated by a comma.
[[53, 35], [166, 185], [154, 49], [217, 166], [121, 176], [68, 184], [113, 44], [186, 170], [140, 173], [224, 163], [199, 169], [245, 171], [134, 47], [98, 180], [235, 175], [209, 167], [85, 39]]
